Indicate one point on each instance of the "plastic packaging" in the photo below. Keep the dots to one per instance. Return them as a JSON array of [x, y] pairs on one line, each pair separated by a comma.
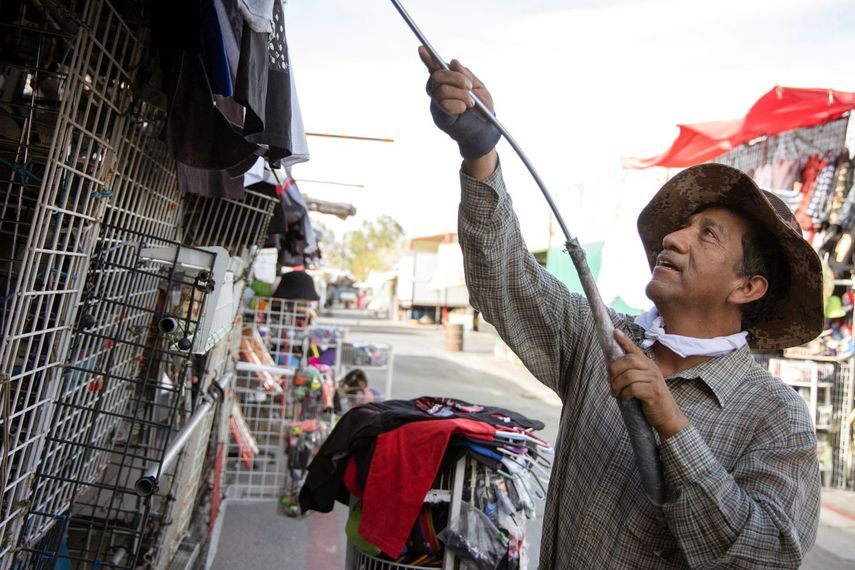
[[473, 537]]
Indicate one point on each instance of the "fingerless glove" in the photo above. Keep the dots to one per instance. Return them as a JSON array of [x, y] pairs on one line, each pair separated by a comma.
[[475, 135]]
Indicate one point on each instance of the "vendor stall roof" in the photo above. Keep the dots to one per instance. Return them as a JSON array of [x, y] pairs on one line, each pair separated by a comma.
[[781, 109]]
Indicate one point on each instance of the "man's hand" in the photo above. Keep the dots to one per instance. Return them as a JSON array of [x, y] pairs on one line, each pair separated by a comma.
[[450, 88], [452, 110], [635, 376]]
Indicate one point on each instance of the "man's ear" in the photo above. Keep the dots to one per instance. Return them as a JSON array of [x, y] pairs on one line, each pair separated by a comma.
[[751, 289]]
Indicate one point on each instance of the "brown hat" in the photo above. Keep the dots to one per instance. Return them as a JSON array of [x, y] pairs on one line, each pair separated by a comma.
[[796, 318]]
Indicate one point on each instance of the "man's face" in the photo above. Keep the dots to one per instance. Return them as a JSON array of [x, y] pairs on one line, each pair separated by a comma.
[[696, 269]]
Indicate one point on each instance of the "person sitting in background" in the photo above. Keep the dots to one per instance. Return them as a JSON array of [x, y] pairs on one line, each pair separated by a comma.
[[354, 387]]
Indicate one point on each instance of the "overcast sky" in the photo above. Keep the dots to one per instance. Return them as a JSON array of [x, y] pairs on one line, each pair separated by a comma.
[[578, 84]]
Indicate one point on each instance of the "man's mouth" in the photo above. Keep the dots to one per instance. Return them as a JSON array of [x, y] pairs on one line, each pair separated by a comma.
[[666, 263]]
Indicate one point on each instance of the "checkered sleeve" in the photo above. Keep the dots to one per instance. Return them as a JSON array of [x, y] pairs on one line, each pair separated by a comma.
[[535, 314], [761, 514]]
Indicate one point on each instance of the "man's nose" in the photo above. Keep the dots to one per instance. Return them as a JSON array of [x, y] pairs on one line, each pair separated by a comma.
[[676, 240]]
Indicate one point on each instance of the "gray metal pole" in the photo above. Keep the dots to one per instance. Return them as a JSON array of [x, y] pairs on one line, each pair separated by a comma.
[[641, 435], [146, 485]]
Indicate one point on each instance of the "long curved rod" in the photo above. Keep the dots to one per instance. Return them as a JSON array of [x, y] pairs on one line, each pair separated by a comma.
[[641, 435]]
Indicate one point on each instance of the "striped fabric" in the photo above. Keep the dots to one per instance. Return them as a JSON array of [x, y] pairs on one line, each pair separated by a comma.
[[743, 479], [820, 201]]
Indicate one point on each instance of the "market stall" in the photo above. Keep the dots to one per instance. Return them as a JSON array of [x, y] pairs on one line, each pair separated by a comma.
[[796, 143], [145, 154]]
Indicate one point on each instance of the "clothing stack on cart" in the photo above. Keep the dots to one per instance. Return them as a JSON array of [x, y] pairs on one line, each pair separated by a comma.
[[387, 458]]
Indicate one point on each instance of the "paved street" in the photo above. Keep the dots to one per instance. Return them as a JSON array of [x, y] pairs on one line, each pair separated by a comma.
[[255, 536]]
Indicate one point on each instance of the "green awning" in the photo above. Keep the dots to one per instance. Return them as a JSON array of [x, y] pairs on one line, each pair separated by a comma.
[[558, 263]]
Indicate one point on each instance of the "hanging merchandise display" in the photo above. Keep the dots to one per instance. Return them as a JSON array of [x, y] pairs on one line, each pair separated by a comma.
[[126, 238], [780, 110], [230, 92], [286, 397], [290, 231]]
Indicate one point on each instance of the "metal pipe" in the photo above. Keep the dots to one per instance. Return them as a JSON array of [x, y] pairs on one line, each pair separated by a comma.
[[641, 435], [118, 555], [146, 485]]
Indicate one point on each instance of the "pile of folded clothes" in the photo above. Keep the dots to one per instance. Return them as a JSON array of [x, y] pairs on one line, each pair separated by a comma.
[[385, 458]]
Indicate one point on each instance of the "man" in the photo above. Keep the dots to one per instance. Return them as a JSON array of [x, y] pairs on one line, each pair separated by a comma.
[[738, 447]]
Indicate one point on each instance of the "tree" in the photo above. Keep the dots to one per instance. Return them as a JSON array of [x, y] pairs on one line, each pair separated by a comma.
[[332, 249], [375, 246]]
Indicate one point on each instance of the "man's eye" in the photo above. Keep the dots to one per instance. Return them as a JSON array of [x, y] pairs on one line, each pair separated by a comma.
[[709, 232]]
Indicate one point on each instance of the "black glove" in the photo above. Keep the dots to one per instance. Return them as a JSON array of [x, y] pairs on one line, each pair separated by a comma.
[[475, 136]]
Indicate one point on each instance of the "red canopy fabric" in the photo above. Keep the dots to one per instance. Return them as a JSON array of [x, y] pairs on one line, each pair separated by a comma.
[[781, 109]]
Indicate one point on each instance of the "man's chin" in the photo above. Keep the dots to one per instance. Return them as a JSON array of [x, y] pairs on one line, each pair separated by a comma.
[[653, 290]]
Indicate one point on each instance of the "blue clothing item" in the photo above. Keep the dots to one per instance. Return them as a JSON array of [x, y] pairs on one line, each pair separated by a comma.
[[479, 449], [214, 52]]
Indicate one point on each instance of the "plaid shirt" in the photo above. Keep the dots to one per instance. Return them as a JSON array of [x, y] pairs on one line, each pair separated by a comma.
[[743, 479]]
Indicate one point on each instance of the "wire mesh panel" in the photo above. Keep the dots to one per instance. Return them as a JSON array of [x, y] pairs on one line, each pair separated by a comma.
[[232, 224], [284, 405], [282, 325], [187, 479], [256, 465], [123, 392], [63, 138], [842, 398], [121, 400], [117, 309]]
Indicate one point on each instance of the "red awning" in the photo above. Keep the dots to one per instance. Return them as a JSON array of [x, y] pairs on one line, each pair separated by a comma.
[[781, 109]]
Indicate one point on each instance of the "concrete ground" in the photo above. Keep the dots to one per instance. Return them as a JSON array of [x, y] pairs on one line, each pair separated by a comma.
[[254, 536]]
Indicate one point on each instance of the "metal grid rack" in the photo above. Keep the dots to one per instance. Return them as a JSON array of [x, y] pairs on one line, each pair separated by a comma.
[[447, 487], [95, 373], [278, 414], [843, 476], [57, 173], [232, 224], [256, 465], [282, 324], [370, 357], [260, 472], [122, 397]]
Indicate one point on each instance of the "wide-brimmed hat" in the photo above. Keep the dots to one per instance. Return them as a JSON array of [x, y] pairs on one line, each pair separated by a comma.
[[794, 319]]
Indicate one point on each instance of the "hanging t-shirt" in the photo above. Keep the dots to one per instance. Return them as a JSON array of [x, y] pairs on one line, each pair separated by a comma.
[[263, 86], [842, 186], [198, 132]]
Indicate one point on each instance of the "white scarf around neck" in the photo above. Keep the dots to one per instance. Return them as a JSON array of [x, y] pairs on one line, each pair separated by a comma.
[[654, 331]]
